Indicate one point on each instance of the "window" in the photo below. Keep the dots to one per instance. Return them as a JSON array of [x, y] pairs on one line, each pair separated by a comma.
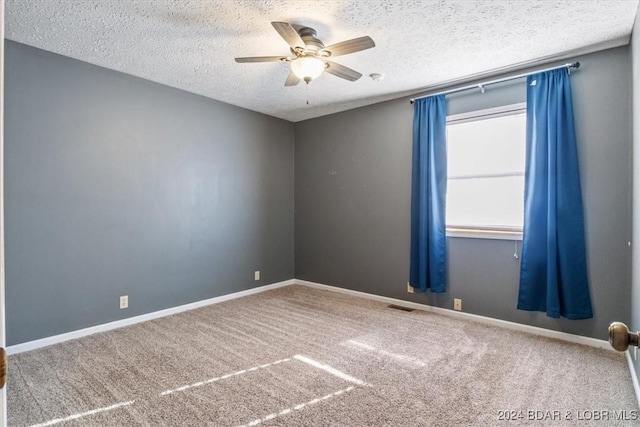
[[486, 160]]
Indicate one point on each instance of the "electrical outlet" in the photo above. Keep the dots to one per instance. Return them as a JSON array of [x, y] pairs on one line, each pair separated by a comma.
[[457, 304], [256, 275], [409, 288], [124, 301]]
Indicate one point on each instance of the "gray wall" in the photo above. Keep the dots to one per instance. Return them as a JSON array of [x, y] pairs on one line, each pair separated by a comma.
[[352, 198], [120, 186], [116, 185], [635, 292]]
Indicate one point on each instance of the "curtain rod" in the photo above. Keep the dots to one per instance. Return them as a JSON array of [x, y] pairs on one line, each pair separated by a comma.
[[481, 85]]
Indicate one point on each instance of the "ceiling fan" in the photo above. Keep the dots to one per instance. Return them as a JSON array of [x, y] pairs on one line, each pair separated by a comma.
[[310, 56]]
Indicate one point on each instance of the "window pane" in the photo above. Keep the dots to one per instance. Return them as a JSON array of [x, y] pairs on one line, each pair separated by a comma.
[[485, 166], [487, 146], [486, 202]]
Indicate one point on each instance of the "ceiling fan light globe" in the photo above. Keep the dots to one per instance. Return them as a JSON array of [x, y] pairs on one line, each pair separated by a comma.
[[307, 68]]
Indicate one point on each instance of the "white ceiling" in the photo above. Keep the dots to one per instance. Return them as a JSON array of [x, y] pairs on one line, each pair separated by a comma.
[[191, 45]]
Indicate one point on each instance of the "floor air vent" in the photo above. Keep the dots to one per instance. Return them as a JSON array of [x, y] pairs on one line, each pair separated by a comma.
[[399, 307]]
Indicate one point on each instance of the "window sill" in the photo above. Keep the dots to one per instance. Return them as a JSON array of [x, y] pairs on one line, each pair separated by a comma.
[[474, 233]]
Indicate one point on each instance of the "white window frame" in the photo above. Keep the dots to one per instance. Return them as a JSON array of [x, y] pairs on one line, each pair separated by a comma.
[[502, 233]]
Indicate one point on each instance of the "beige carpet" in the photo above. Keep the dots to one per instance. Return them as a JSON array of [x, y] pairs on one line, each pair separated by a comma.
[[304, 357]]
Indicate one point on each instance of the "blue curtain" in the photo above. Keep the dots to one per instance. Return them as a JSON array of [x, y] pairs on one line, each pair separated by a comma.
[[428, 191], [553, 272]]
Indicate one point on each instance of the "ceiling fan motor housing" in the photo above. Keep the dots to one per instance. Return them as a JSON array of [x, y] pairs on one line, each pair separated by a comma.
[[309, 36]]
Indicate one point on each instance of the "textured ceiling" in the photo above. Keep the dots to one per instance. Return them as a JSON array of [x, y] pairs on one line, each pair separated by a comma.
[[191, 45]]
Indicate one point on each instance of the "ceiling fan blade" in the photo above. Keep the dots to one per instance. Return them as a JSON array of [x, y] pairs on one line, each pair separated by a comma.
[[350, 46], [262, 59], [289, 34], [292, 80], [342, 71]]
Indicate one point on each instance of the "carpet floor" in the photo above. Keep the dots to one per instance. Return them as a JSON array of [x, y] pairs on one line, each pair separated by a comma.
[[306, 357]]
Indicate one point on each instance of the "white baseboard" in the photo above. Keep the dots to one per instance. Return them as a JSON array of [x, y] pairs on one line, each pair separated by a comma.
[[549, 333], [32, 345], [577, 339], [634, 376]]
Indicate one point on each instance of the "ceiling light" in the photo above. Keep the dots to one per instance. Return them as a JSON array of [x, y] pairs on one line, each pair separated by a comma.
[[307, 68]]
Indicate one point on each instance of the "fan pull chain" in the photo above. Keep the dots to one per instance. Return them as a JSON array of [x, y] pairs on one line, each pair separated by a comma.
[[307, 92]]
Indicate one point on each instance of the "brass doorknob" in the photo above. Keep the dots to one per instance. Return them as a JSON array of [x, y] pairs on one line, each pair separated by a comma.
[[620, 338]]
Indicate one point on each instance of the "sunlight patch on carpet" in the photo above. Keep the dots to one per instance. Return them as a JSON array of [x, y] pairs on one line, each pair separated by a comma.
[[395, 356], [329, 369], [84, 414], [304, 359], [298, 407], [222, 377]]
